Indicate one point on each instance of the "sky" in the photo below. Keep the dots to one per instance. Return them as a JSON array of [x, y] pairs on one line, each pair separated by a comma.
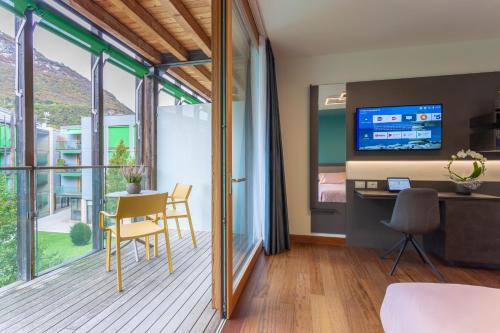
[[116, 81]]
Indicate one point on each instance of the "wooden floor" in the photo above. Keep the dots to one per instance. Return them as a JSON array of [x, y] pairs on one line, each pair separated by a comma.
[[319, 288], [82, 297]]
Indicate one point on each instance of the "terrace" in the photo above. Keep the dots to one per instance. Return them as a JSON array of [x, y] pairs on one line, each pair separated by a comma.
[[82, 297]]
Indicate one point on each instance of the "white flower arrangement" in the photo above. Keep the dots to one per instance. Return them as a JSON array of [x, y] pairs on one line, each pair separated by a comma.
[[478, 164]]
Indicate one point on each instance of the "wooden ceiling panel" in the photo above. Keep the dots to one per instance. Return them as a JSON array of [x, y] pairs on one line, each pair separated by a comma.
[[156, 27]]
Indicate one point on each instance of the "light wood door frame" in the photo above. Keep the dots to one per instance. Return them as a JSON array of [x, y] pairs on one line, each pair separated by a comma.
[[224, 295]]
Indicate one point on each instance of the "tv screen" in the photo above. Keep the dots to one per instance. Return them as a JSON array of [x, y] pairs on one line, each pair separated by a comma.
[[415, 127]]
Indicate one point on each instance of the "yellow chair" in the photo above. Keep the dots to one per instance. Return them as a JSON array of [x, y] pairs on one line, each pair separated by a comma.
[[180, 195], [132, 207]]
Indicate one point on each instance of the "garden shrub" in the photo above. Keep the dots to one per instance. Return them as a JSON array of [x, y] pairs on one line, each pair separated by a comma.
[[80, 234]]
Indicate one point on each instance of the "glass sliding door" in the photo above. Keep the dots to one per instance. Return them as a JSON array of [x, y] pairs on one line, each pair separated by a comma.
[[235, 57], [243, 240]]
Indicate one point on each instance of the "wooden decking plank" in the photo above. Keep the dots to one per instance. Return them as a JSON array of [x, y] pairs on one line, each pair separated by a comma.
[[126, 304], [204, 319], [189, 312], [213, 324], [84, 293], [183, 304], [86, 311], [83, 297], [55, 280], [166, 298]]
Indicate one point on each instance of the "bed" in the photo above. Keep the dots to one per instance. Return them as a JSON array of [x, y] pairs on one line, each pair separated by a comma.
[[331, 187], [440, 308]]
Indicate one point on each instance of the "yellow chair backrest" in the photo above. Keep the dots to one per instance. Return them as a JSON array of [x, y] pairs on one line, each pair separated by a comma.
[[141, 205], [182, 191]]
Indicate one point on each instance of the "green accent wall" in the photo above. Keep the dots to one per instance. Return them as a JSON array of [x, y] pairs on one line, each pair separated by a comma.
[[332, 136], [117, 133]]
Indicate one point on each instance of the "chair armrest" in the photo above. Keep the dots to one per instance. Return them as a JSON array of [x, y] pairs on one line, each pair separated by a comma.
[[176, 202], [102, 215]]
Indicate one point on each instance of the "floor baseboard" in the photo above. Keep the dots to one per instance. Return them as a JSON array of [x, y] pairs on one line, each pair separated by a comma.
[[318, 240]]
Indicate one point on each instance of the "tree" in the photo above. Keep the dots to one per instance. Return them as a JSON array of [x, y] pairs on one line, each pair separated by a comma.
[[8, 229], [114, 179]]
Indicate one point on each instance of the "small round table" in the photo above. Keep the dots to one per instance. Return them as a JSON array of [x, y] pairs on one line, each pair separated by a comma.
[[117, 195]]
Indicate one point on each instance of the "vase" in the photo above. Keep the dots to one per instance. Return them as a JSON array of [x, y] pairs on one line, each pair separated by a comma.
[[467, 187], [134, 188]]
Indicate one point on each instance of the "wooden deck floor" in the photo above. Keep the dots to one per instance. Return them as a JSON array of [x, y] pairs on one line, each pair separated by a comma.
[[82, 296]]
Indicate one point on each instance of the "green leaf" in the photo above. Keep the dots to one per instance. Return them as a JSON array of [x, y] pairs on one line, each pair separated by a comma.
[[476, 172]]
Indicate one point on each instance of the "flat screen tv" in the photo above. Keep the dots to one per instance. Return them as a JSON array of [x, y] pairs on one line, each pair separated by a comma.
[[409, 127]]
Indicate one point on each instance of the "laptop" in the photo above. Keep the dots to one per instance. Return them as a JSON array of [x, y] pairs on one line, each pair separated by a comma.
[[398, 184]]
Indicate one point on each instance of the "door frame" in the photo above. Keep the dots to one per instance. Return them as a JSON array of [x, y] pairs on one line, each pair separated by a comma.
[[224, 296]]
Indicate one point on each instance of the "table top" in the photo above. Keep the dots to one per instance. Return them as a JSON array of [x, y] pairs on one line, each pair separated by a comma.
[[126, 194], [378, 194]]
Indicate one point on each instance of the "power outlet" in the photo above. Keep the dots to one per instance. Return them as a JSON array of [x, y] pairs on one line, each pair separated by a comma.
[[359, 184], [372, 184]]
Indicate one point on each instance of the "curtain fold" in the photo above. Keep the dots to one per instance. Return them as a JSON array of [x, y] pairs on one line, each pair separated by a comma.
[[276, 234]]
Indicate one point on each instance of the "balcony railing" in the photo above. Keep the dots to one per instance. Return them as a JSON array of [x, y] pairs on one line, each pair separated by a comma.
[[68, 190], [34, 207], [68, 144]]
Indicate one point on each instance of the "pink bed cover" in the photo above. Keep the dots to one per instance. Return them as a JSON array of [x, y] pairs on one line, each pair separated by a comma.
[[443, 308], [331, 192]]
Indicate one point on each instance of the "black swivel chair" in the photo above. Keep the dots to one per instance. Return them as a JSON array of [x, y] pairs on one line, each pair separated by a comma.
[[416, 212]]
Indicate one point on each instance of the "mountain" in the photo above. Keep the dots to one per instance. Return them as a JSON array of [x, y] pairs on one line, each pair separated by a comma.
[[62, 95]]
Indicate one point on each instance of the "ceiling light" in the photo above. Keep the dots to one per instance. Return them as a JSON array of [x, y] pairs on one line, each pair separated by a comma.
[[336, 100]]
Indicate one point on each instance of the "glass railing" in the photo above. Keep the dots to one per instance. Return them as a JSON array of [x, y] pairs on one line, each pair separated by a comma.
[[64, 214], [13, 197], [66, 233]]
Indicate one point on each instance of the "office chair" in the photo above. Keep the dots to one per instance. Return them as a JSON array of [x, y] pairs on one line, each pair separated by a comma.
[[416, 212]]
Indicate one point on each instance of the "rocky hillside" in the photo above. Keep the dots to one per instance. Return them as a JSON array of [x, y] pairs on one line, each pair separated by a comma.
[[61, 93]]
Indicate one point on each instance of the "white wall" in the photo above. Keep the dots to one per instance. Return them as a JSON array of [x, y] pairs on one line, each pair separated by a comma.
[[295, 76]]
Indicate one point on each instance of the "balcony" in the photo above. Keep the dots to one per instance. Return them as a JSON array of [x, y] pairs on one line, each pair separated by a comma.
[[68, 144], [68, 190], [82, 296]]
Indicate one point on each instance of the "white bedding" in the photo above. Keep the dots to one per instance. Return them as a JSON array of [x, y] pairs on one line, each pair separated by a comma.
[[331, 192], [443, 308]]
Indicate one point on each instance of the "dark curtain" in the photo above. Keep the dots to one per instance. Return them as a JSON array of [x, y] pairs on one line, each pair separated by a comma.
[[276, 235]]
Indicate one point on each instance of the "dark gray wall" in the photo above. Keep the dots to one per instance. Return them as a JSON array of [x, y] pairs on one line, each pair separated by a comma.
[[462, 96]]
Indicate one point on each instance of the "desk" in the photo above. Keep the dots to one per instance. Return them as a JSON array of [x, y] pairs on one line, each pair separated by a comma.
[[469, 232], [377, 194]]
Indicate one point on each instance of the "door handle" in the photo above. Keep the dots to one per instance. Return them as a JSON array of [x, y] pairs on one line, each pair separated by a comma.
[[239, 180]]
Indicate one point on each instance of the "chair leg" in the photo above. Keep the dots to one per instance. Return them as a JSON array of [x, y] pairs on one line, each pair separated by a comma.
[[396, 260], [393, 248], [146, 243], [167, 245], [156, 245], [416, 248], [118, 266], [427, 260], [193, 235], [108, 250], [178, 228]]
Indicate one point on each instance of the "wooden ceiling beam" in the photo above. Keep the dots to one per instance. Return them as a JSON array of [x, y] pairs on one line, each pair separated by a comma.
[[147, 21], [188, 22], [190, 82], [103, 19], [205, 72]]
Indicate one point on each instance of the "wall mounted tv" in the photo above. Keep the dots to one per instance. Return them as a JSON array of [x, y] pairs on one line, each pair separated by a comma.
[[408, 127]]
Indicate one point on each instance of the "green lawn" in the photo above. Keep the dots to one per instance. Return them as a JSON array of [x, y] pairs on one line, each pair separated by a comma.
[[56, 248]]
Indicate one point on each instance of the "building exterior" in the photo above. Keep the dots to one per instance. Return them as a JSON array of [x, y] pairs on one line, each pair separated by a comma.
[[67, 146]]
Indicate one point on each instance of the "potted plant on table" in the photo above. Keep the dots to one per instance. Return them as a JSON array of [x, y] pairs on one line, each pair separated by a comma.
[[133, 175], [467, 181]]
